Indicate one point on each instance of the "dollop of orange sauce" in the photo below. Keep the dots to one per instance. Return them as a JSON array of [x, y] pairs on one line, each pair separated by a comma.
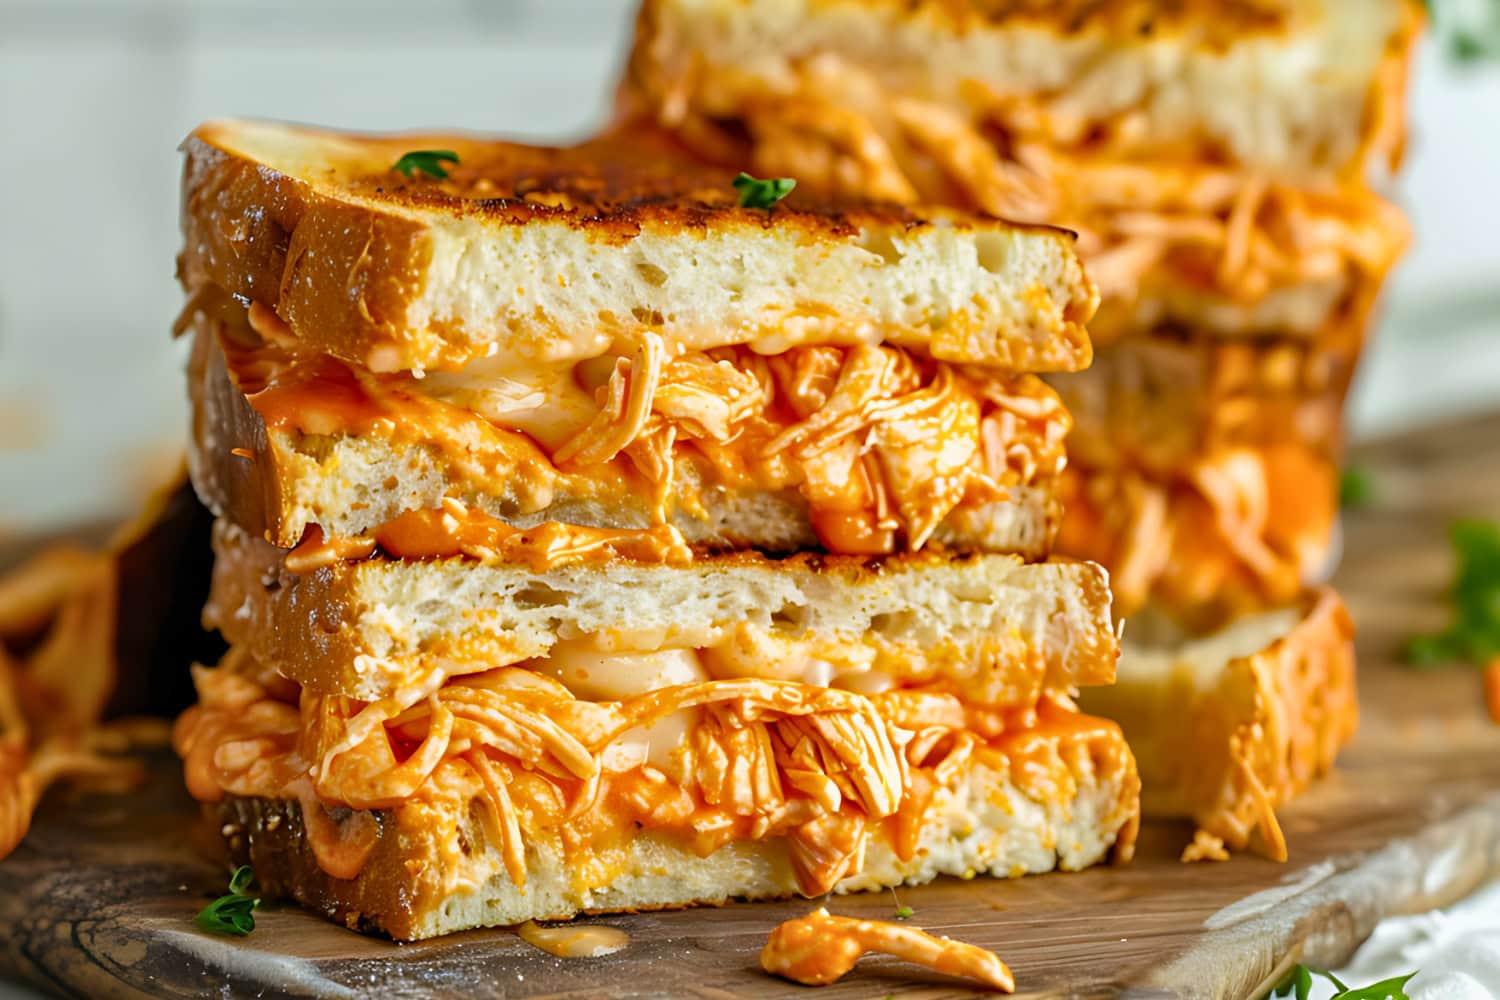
[[820, 948], [458, 530], [315, 552], [572, 941]]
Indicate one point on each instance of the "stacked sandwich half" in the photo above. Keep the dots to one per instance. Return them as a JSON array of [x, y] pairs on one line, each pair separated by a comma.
[[1219, 161], [597, 533]]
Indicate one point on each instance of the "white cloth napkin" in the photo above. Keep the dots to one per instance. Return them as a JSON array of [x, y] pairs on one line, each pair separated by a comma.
[[1457, 951]]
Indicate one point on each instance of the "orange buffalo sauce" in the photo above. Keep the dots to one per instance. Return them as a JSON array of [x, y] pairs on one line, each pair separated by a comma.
[[458, 530], [454, 530], [820, 948], [1492, 689], [574, 941], [882, 445], [314, 551], [708, 763]]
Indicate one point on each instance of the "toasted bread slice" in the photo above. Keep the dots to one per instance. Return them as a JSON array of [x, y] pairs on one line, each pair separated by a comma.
[[1163, 401], [557, 254], [1212, 157], [350, 453], [1230, 726], [763, 796], [1288, 88], [1238, 530], [993, 628]]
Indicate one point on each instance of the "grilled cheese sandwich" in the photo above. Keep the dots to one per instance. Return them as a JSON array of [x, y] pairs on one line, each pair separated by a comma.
[[589, 540]]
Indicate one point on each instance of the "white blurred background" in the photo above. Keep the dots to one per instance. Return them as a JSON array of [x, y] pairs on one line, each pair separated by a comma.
[[96, 94]]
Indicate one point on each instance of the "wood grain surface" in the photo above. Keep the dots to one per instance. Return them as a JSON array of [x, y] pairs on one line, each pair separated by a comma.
[[99, 900]]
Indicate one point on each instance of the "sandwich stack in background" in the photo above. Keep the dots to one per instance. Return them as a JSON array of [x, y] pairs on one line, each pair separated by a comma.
[[598, 533], [1221, 163]]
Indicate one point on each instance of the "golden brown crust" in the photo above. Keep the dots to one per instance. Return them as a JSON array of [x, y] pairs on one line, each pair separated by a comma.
[[608, 187], [1210, 22], [268, 835], [340, 245], [232, 458], [1244, 744], [1305, 709]]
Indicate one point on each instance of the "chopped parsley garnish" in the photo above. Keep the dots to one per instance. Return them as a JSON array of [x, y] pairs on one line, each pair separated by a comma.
[[1473, 634], [1356, 487], [427, 161], [234, 913], [1471, 31], [756, 193], [1298, 986], [905, 913]]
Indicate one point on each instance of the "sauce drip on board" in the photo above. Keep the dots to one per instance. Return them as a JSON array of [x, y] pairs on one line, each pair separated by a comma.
[[574, 941]]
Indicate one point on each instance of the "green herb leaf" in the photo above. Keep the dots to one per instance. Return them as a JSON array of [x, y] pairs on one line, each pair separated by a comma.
[[1386, 989], [1298, 984], [1473, 634], [756, 193], [234, 913], [427, 161], [905, 913], [1356, 487], [241, 879], [1469, 31], [1468, 49]]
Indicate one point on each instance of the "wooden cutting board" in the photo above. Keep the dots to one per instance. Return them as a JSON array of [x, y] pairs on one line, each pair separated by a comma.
[[99, 900]]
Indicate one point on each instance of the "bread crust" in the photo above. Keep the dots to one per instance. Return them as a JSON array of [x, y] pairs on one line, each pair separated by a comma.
[[561, 252], [1231, 739], [1338, 66]]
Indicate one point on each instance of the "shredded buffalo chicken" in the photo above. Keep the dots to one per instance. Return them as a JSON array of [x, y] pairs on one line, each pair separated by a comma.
[[1242, 530], [882, 445], [743, 760]]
